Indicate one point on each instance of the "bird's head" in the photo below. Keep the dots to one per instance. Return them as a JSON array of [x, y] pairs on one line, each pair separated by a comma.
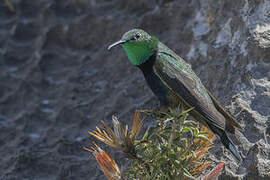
[[138, 45]]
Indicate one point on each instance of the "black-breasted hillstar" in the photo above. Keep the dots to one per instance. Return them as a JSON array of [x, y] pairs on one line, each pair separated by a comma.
[[173, 81]]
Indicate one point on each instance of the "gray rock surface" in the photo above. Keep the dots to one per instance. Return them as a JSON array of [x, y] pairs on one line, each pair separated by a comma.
[[57, 80]]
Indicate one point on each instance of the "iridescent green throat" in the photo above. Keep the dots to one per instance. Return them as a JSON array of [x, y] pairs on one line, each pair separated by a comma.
[[139, 52]]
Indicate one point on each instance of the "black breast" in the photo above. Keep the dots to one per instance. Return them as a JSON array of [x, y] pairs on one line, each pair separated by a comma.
[[153, 81]]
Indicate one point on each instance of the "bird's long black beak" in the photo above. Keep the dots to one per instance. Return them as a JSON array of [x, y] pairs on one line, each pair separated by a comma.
[[116, 43]]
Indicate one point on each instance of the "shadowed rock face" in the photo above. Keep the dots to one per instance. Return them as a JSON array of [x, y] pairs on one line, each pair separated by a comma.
[[57, 80]]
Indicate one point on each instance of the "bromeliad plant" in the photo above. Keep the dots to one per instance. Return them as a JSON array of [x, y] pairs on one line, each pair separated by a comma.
[[176, 148], [120, 138]]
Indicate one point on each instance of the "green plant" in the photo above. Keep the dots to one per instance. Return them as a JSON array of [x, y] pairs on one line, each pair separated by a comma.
[[176, 148]]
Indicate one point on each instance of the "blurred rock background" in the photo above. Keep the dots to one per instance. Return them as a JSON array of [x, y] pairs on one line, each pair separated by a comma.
[[57, 79]]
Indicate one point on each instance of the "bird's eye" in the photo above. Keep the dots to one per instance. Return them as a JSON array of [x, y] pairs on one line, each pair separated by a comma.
[[137, 36]]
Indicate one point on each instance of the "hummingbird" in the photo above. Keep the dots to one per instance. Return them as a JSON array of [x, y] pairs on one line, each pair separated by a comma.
[[174, 83]]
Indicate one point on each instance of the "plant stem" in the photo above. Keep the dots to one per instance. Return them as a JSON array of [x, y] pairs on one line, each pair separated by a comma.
[[172, 133]]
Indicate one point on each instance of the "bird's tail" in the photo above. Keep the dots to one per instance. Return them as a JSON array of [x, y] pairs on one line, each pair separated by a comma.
[[227, 142]]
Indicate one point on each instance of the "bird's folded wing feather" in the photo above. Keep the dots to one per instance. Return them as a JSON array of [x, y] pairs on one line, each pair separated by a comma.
[[178, 76], [228, 117]]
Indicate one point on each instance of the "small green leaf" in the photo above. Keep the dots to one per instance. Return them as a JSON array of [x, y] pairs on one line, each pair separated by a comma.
[[190, 122], [203, 137], [188, 129], [144, 138], [187, 174], [188, 110]]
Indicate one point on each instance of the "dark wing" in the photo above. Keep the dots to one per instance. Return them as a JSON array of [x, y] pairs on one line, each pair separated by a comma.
[[231, 121], [178, 76]]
